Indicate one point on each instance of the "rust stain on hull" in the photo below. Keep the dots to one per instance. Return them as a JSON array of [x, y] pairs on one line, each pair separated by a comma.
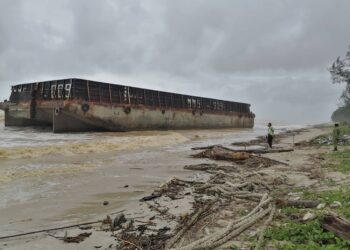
[[79, 105]]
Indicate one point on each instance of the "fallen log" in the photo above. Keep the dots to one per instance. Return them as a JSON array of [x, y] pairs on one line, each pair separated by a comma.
[[204, 148], [208, 167], [221, 153], [297, 203], [211, 147], [202, 166], [337, 225], [264, 151]]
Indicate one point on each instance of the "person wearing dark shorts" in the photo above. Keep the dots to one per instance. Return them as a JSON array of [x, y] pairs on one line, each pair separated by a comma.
[[270, 134]]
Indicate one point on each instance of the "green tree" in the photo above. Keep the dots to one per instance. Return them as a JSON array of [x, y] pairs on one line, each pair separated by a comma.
[[345, 96], [340, 69], [340, 72]]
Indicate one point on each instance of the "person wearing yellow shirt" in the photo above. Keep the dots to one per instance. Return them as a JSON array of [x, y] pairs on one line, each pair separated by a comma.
[[270, 134]]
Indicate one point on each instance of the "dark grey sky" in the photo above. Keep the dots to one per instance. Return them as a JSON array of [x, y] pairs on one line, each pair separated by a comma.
[[272, 54]]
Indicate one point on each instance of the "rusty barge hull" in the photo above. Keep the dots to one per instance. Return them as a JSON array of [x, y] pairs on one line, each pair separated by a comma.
[[75, 105]]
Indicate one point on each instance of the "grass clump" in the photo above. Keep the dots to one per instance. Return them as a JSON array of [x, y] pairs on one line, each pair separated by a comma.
[[330, 196], [304, 236], [338, 161], [345, 129]]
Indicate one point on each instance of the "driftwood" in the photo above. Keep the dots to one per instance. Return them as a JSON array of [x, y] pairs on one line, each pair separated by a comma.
[[209, 167], [258, 141], [129, 243], [210, 147], [297, 203], [202, 166], [337, 225], [151, 197], [221, 153], [240, 158], [264, 151], [76, 239], [204, 148]]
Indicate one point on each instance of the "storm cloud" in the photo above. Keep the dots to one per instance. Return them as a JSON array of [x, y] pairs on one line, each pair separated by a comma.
[[272, 54]]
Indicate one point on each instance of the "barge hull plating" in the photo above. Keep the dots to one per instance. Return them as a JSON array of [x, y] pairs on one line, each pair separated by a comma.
[[73, 105]]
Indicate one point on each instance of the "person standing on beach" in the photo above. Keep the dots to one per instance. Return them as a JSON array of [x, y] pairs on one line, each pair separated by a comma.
[[336, 134], [270, 134]]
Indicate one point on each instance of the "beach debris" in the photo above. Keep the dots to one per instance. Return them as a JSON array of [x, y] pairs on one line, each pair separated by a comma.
[[106, 223], [149, 222], [264, 151], [308, 216], [126, 186], [221, 153], [49, 230], [325, 140], [297, 203], [153, 196], [262, 141], [118, 221], [141, 229], [206, 147], [190, 221], [321, 206], [233, 229], [232, 201], [127, 243], [338, 225], [240, 158], [226, 185], [157, 207], [107, 220], [88, 227], [328, 140], [210, 167], [335, 204], [76, 239], [105, 203]]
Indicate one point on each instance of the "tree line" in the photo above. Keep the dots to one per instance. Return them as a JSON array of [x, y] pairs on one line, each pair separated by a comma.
[[340, 72]]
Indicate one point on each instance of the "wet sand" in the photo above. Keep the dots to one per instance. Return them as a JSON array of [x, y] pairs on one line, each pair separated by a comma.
[[43, 186], [67, 188]]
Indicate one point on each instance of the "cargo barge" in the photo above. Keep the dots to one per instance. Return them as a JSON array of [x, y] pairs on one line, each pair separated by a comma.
[[75, 105]]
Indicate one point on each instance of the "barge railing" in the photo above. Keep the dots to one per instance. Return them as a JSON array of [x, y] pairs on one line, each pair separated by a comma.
[[106, 93]]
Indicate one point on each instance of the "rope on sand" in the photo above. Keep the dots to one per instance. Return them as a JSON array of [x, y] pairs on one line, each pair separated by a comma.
[[234, 228], [263, 229], [193, 220]]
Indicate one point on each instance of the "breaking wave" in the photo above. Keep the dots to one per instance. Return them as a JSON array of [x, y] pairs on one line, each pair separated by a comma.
[[98, 145]]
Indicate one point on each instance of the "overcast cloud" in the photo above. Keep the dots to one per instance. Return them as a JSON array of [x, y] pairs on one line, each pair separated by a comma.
[[272, 54]]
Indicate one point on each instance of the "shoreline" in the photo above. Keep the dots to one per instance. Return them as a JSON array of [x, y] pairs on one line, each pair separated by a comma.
[[62, 185], [199, 175]]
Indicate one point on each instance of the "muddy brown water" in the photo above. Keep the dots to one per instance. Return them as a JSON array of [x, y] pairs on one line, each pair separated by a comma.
[[51, 180]]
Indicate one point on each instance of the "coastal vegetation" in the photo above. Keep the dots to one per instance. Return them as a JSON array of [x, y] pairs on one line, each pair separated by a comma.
[[293, 230], [340, 72]]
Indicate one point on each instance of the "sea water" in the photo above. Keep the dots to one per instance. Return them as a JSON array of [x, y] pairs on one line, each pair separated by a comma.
[[36, 163]]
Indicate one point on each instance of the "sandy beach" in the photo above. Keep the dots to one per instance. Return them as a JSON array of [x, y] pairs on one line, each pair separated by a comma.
[[121, 181], [64, 179]]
